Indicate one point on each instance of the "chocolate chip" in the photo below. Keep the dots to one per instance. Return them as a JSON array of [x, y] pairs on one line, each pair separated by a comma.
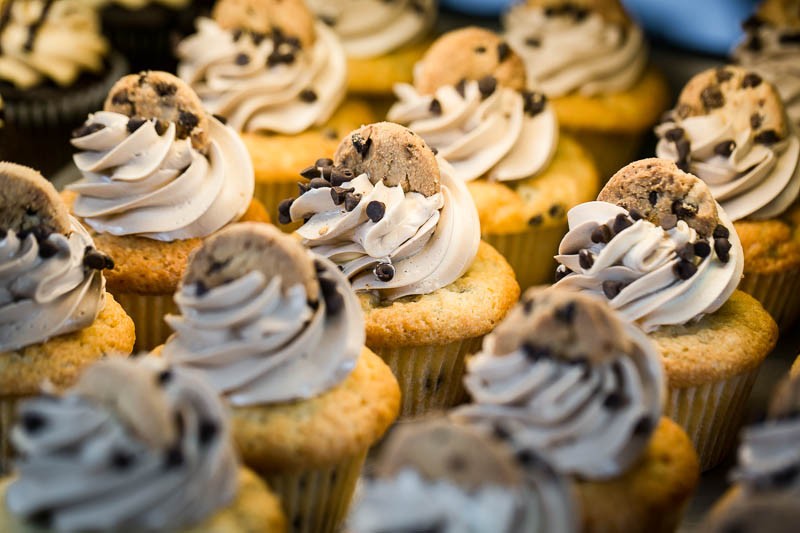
[[686, 252], [556, 210], [562, 272], [611, 288], [643, 426], [436, 107], [615, 400], [534, 103], [725, 148], [535, 352], [533, 42], [767, 137], [585, 259], [334, 301], [635, 215], [723, 75], [789, 38], [338, 194], [164, 377], [601, 234], [536, 220], [163, 88], [308, 96], [277, 58], [674, 134], [323, 162], [785, 476], [47, 249], [310, 172], [134, 123], [566, 313], [174, 458], [684, 148], [684, 269], [461, 87], [712, 97], [652, 197], [220, 118], [751, 79], [683, 210], [702, 249], [284, 216], [339, 176], [384, 271], [376, 210], [503, 51], [319, 183], [361, 145], [302, 188], [722, 248], [351, 201], [499, 432], [94, 260], [621, 223], [122, 459], [480, 49], [200, 288], [87, 129], [668, 222], [121, 98], [527, 458], [487, 85], [242, 59], [721, 232], [756, 120], [186, 123], [161, 126], [32, 422], [754, 44], [753, 22], [206, 431]]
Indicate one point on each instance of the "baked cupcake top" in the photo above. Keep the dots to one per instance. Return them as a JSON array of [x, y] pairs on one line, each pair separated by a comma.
[[775, 513], [388, 212], [566, 376], [469, 102], [49, 41], [371, 28], [155, 164], [772, 47], [730, 129], [589, 47], [655, 245], [434, 475], [265, 65], [119, 450], [265, 319], [51, 279]]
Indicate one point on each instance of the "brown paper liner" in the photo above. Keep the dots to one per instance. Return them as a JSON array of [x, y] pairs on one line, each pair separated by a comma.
[[271, 194], [8, 409], [779, 293], [530, 253], [147, 312], [610, 151]]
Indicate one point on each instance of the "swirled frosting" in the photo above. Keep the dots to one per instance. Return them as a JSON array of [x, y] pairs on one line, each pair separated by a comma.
[[148, 182], [651, 275], [591, 418], [49, 41], [370, 28], [505, 135], [45, 289], [418, 245], [263, 83], [82, 467], [572, 52], [259, 344], [408, 502], [768, 455], [749, 179]]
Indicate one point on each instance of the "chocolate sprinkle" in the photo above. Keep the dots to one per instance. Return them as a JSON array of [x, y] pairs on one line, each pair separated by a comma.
[[334, 301], [686, 252], [534, 352], [242, 59], [767, 137], [725, 148], [308, 96], [436, 107], [319, 183], [283, 211], [487, 85], [122, 460], [461, 87], [601, 234], [376, 210], [351, 201], [534, 102], [338, 194], [323, 162], [702, 249], [585, 259], [621, 223], [164, 377], [134, 123], [206, 432], [674, 134], [615, 400], [722, 247], [47, 249], [384, 271], [643, 426], [87, 129], [174, 458], [611, 288], [32, 421], [756, 120], [503, 51], [536, 220], [721, 232], [562, 272], [310, 172]]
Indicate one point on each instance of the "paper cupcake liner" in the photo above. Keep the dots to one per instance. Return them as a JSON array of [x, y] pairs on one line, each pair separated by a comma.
[[779, 293], [271, 194], [530, 253], [712, 414], [316, 501], [610, 151], [431, 377], [147, 312], [8, 409]]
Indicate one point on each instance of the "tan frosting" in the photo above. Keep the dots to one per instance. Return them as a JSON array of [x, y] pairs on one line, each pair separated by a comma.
[[67, 43], [157, 186]]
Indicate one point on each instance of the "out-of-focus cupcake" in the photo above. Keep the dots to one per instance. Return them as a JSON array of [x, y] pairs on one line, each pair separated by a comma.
[[55, 315], [278, 76], [591, 60], [133, 446], [433, 475], [766, 480], [469, 102], [566, 377], [661, 251], [406, 233], [730, 129], [55, 67], [771, 47], [279, 333], [159, 175], [383, 40]]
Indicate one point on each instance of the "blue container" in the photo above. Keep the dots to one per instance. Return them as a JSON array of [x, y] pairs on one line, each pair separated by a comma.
[[481, 8]]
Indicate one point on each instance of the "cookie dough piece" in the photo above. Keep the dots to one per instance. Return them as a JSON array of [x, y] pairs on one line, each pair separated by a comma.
[[29, 202], [740, 97], [292, 18], [393, 154], [160, 95], [470, 54], [242, 248], [610, 10], [658, 191]]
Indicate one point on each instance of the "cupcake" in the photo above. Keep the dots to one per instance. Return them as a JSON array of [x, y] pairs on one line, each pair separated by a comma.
[[469, 102], [278, 76], [590, 59], [663, 253], [731, 130], [56, 68], [55, 315], [565, 376], [383, 40], [771, 47], [133, 446], [405, 232], [159, 175], [279, 333], [766, 476], [433, 475]]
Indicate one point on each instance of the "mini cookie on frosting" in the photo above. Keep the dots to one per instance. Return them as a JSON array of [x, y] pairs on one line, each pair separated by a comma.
[[434, 474], [730, 129]]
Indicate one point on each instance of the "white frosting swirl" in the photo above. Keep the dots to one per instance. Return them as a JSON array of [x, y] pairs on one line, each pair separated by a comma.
[[257, 343], [87, 470], [159, 186], [234, 78], [768, 453], [408, 502], [588, 418], [507, 136], [756, 180], [643, 257], [371, 28], [429, 241], [41, 298], [67, 43], [565, 54]]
